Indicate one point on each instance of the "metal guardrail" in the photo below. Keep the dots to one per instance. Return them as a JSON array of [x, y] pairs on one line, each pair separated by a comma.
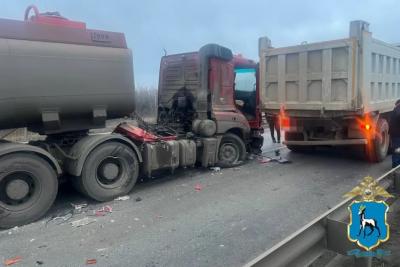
[[326, 232]]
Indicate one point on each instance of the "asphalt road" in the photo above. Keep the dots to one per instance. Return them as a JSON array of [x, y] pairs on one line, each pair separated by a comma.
[[233, 216]]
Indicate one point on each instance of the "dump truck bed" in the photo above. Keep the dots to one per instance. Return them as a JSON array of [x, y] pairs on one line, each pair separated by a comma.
[[354, 75]]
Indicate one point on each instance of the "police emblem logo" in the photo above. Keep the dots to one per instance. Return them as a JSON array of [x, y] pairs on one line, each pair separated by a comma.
[[368, 223]]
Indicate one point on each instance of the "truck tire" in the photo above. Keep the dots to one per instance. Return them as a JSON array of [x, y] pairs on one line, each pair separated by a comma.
[[378, 149], [110, 170], [232, 151], [28, 188]]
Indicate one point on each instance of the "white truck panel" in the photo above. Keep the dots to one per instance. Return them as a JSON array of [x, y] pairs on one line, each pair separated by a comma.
[[358, 74]]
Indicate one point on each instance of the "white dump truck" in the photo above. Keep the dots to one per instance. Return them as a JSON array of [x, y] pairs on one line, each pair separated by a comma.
[[338, 92]]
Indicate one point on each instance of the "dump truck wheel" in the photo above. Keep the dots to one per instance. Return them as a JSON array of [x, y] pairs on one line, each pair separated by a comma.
[[28, 188], [378, 149], [232, 151], [110, 170]]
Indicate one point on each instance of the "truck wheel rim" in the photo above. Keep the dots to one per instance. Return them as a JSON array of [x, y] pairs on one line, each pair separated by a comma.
[[18, 190], [111, 172], [229, 152]]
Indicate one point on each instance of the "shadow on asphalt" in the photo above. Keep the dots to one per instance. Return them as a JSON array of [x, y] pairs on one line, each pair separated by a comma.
[[345, 152]]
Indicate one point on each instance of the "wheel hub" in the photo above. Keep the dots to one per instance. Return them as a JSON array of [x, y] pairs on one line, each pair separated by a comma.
[[109, 171], [17, 189], [229, 153]]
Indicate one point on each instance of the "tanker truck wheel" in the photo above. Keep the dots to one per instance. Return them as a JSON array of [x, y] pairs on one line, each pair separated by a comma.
[[110, 170], [28, 188], [378, 149], [232, 151]]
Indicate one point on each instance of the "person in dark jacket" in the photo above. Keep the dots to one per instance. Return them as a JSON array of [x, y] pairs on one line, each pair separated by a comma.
[[273, 123], [394, 131]]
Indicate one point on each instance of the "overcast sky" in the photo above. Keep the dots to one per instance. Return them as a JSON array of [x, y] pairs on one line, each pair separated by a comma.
[[185, 25]]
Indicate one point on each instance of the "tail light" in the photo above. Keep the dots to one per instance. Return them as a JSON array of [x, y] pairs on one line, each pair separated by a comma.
[[284, 120]]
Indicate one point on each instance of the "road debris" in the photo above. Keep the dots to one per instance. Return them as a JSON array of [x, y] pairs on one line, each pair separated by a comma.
[[103, 211], [13, 230], [82, 222], [138, 199], [91, 261], [39, 262], [123, 198], [215, 169], [284, 161], [60, 219], [264, 160], [198, 187], [12, 261], [79, 207]]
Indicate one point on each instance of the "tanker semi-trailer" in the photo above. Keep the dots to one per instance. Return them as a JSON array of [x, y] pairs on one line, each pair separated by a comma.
[[333, 93], [60, 79]]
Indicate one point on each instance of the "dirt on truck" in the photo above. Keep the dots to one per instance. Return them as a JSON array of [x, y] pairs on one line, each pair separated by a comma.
[[62, 80], [333, 93]]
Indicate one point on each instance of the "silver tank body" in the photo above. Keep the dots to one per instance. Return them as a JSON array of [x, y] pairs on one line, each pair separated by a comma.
[[57, 87]]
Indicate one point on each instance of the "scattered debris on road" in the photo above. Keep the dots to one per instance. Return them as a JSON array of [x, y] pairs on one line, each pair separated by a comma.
[[12, 261], [138, 199], [78, 207], [264, 160], [59, 219], [215, 169], [82, 222], [91, 261], [198, 187], [278, 159], [103, 211], [39, 262], [13, 230], [123, 198]]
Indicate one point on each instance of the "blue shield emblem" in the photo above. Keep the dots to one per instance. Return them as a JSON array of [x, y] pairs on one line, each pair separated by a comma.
[[368, 225]]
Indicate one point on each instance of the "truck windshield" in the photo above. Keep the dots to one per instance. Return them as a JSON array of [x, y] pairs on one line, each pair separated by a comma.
[[245, 90]]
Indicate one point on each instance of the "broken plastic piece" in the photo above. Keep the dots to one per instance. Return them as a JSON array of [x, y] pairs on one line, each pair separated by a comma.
[[123, 198], [198, 187], [12, 261], [216, 169], [91, 261], [82, 222], [103, 211]]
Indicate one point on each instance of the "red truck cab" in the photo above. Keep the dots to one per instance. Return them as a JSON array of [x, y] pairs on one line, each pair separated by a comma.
[[215, 86]]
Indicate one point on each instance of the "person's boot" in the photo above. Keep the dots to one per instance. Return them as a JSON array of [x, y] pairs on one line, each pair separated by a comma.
[[273, 140]]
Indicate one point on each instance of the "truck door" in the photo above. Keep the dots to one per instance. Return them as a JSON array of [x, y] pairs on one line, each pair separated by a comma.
[[246, 92], [221, 84]]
